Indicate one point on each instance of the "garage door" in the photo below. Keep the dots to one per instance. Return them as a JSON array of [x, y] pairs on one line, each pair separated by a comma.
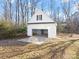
[[40, 32]]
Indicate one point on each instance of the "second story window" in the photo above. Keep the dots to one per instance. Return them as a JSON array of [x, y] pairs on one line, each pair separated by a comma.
[[39, 17]]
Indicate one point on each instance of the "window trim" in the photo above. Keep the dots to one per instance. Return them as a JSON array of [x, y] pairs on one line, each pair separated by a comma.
[[39, 17]]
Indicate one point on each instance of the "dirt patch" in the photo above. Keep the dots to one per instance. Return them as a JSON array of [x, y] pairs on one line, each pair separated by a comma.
[[63, 48], [49, 50], [68, 36]]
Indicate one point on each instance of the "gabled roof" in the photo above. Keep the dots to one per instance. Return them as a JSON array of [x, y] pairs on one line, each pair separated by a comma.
[[46, 18]]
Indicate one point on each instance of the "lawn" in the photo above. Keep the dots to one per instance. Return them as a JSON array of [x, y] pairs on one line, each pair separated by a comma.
[[52, 49]]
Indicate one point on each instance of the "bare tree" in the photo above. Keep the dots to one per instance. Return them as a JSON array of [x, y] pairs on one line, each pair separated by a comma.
[[77, 6], [24, 12], [69, 21], [51, 7], [42, 5], [33, 6], [17, 12], [66, 11], [22, 5], [8, 10], [5, 10], [21, 10]]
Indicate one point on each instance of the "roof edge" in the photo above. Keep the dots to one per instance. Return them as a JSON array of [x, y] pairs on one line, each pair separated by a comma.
[[43, 23]]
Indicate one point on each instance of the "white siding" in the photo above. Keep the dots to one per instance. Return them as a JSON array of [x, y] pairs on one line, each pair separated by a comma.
[[50, 27], [45, 23], [45, 18]]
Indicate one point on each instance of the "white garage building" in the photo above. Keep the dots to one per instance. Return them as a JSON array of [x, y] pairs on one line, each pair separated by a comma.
[[41, 24]]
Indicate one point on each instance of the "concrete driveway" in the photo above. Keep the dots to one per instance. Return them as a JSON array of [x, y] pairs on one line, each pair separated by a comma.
[[12, 42], [24, 41], [34, 39]]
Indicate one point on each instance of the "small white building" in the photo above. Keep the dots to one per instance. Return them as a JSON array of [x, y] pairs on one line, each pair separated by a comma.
[[41, 24]]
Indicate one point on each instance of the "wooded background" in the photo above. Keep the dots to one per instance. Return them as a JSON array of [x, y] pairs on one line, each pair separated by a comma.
[[18, 13]]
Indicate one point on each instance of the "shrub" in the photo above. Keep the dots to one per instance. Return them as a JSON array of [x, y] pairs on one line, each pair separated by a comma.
[[8, 30], [60, 28], [21, 30]]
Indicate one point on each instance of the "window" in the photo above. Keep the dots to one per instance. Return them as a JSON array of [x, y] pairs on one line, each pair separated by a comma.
[[39, 17]]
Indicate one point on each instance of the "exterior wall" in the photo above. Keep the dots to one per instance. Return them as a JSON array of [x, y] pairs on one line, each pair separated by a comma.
[[52, 32], [45, 18], [51, 29], [29, 31]]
